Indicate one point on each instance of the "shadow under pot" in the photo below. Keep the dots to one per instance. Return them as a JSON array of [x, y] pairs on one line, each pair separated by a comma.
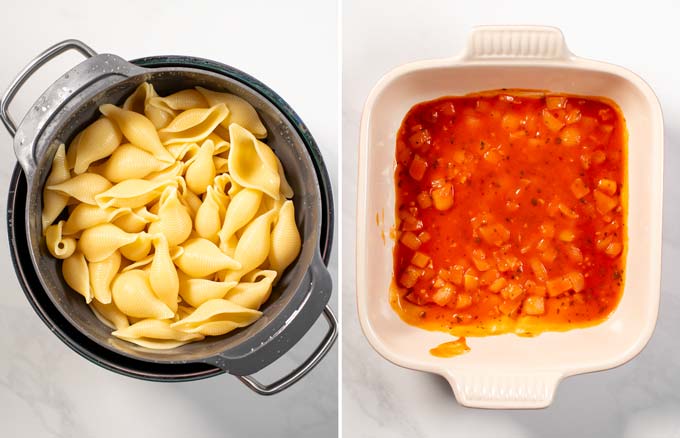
[[297, 300]]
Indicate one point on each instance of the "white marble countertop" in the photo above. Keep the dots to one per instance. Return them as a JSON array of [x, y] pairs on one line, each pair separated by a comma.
[[639, 399], [47, 390]]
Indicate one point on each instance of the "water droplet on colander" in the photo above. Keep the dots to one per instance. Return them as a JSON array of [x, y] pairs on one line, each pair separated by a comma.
[[43, 108]]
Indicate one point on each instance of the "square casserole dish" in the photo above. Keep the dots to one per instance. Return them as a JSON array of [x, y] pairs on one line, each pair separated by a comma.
[[508, 371]]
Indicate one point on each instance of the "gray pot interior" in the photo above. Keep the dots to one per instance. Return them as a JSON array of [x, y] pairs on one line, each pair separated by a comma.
[[289, 292]]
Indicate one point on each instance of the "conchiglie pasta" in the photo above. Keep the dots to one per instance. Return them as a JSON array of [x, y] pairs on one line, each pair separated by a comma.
[[182, 230]]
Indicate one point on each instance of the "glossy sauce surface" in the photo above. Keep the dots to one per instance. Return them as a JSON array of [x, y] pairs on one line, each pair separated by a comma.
[[510, 213]]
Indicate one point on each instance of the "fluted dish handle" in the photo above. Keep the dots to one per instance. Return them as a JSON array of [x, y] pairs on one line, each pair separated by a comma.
[[507, 390], [516, 43]]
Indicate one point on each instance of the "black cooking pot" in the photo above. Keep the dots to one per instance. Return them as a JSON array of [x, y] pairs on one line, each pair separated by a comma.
[[297, 300]]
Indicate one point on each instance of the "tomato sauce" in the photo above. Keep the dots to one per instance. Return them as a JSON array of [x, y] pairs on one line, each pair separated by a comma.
[[510, 213]]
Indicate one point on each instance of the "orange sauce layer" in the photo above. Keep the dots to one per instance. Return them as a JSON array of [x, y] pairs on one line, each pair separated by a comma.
[[511, 209]]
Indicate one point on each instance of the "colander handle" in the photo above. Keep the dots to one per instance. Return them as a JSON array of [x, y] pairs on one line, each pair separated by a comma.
[[302, 370], [30, 69], [101, 70]]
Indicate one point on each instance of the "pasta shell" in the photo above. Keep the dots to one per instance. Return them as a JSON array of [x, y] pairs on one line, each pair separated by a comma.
[[174, 220], [201, 172], [109, 315], [253, 246], [138, 99], [83, 187], [159, 114], [135, 221], [154, 334], [101, 241], [54, 202], [146, 261], [221, 145], [183, 150], [254, 291], [183, 100], [221, 164], [163, 274], [102, 274], [193, 125], [217, 317], [87, 216], [240, 111], [132, 294], [97, 141], [285, 188], [189, 198], [252, 163], [229, 246], [138, 130], [208, 221], [138, 249], [133, 193], [197, 291], [240, 211], [169, 173], [220, 184], [59, 246], [77, 275], [285, 239], [130, 162], [201, 258]]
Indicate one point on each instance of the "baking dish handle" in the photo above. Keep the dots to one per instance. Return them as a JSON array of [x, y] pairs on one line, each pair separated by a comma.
[[95, 68], [491, 390], [513, 43]]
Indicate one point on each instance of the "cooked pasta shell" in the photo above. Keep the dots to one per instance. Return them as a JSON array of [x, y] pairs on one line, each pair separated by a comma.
[[138, 249], [54, 202], [201, 172], [159, 115], [240, 111], [97, 141], [146, 261], [83, 187], [285, 239], [221, 145], [253, 291], [59, 246], [138, 99], [102, 274], [197, 291], [252, 163], [285, 188], [208, 221], [138, 130], [201, 258], [109, 315], [155, 334], [130, 162], [182, 151], [221, 164], [253, 246], [220, 184], [87, 216], [240, 211], [229, 247], [77, 275], [135, 221], [101, 241], [217, 317], [174, 220], [183, 100], [132, 294], [169, 173], [189, 198], [193, 125], [133, 193], [163, 274]]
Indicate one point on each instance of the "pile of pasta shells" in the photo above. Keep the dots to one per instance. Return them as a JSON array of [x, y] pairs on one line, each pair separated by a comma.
[[172, 218]]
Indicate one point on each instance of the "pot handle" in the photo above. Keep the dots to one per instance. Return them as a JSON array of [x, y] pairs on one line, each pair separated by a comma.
[[516, 43], [95, 68], [304, 368]]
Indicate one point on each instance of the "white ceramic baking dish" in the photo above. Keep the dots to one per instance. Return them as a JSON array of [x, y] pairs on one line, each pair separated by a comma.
[[509, 371]]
